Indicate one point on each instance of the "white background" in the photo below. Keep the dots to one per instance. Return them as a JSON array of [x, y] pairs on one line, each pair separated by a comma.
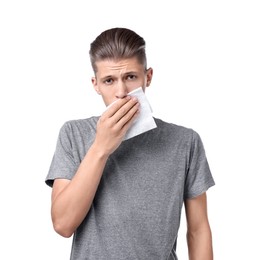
[[207, 62]]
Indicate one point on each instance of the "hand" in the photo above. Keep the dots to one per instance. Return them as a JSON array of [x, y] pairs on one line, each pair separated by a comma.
[[114, 123]]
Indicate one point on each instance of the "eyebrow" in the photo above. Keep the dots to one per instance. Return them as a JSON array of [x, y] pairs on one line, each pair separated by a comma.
[[125, 74]]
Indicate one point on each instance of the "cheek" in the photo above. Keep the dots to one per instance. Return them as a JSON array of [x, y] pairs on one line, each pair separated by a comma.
[[106, 102], [132, 85], [108, 97]]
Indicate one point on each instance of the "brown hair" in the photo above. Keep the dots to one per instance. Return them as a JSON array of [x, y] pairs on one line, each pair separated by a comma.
[[116, 44]]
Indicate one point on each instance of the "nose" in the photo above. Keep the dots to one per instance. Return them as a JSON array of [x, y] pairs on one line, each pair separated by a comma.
[[121, 90]]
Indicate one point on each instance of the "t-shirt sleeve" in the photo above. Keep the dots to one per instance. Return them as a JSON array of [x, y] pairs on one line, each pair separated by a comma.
[[199, 178], [63, 165]]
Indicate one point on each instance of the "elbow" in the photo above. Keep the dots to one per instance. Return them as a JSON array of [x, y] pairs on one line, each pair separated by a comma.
[[204, 233], [63, 229]]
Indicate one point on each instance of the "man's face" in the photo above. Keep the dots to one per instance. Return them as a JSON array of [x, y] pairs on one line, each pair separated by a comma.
[[114, 79]]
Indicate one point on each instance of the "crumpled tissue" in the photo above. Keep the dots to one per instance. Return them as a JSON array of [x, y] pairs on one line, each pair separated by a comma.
[[145, 121]]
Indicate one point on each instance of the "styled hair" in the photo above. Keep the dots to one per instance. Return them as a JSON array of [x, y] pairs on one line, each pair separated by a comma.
[[116, 44]]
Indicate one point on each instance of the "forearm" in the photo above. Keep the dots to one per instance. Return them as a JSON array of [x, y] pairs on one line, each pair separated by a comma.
[[200, 244], [72, 204]]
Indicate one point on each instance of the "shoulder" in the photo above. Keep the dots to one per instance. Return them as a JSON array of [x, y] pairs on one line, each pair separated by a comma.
[[79, 126], [177, 134], [171, 129], [80, 123]]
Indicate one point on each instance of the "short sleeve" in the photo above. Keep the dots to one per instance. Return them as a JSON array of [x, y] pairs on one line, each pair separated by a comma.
[[199, 178], [63, 165]]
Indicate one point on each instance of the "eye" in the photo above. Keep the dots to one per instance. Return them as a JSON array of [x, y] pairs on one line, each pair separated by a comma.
[[131, 77], [108, 81]]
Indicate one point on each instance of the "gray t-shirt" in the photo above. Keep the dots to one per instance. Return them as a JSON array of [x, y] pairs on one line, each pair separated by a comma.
[[137, 207]]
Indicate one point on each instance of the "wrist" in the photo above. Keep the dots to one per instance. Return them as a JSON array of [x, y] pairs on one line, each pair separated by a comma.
[[99, 152]]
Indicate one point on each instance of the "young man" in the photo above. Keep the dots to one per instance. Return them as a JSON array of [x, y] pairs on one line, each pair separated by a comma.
[[122, 199]]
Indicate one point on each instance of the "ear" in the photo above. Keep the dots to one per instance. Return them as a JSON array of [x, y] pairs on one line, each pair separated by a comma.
[[149, 76], [94, 82]]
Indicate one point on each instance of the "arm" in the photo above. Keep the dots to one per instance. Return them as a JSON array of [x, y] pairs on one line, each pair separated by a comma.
[[71, 200], [199, 237]]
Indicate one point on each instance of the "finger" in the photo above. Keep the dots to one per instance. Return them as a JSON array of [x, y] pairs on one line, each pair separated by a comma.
[[124, 110], [128, 116], [113, 108], [128, 124]]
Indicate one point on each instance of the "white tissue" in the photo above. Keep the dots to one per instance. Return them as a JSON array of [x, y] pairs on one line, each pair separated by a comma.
[[145, 121]]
